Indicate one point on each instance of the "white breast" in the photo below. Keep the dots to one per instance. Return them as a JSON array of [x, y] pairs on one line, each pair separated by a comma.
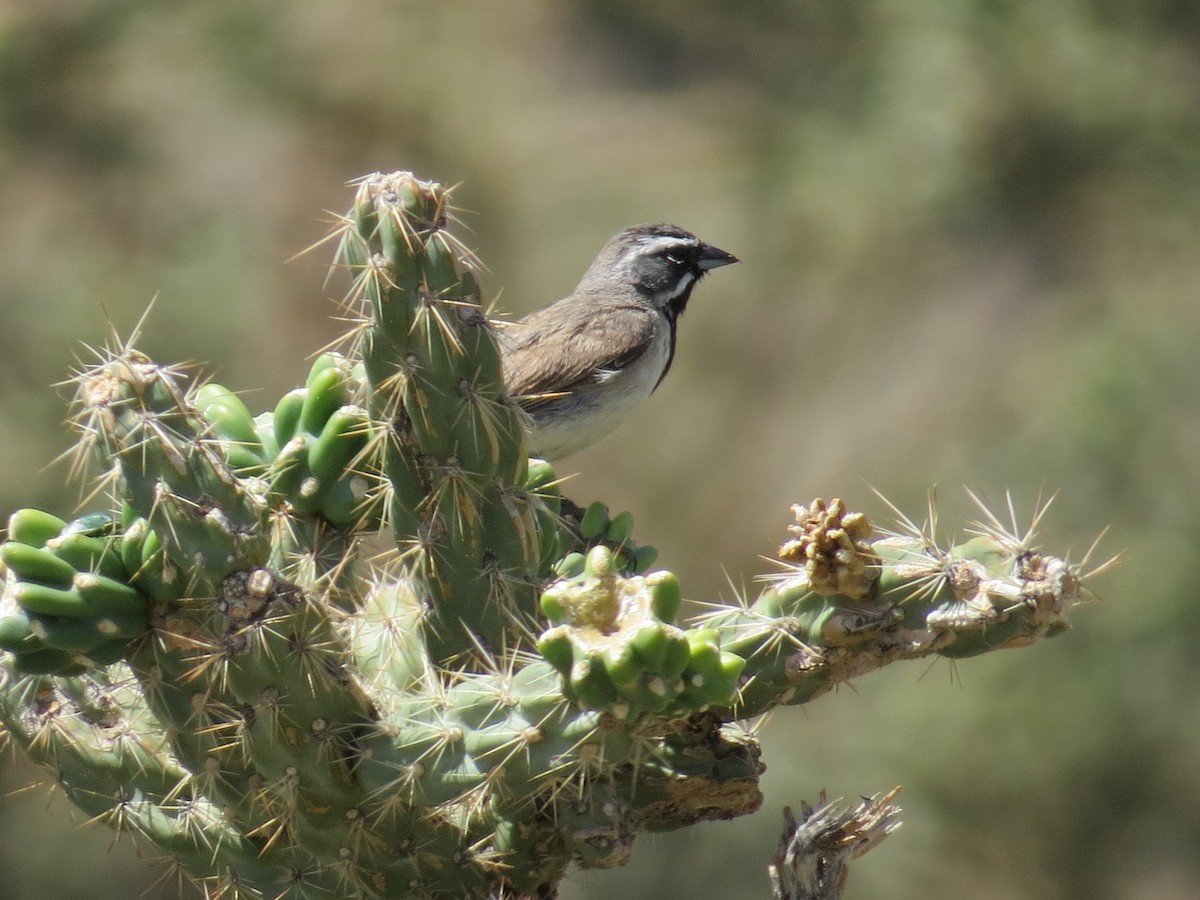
[[593, 410]]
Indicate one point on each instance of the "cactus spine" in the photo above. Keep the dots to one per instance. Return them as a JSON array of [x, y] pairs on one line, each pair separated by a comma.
[[216, 664]]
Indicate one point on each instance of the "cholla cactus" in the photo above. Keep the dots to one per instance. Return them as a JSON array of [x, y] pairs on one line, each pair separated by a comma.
[[216, 664]]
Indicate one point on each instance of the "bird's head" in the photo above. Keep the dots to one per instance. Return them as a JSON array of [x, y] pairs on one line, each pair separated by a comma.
[[661, 261]]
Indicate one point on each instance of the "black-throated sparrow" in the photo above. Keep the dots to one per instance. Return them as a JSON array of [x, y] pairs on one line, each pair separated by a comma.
[[582, 364]]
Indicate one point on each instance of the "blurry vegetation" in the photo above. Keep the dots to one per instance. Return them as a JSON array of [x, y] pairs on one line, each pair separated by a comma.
[[969, 233]]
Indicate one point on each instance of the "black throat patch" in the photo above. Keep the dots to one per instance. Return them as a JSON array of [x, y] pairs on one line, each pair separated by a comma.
[[673, 311]]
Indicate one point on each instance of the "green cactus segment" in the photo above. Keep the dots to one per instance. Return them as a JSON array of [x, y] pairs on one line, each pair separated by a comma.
[[484, 738], [33, 526], [243, 684], [507, 758], [428, 337], [286, 417], [301, 711], [202, 524], [174, 474], [150, 571], [992, 593], [453, 441], [903, 597], [107, 753], [16, 636], [235, 429], [96, 731], [326, 464], [68, 603], [385, 641], [615, 642], [37, 564], [706, 770], [542, 481], [178, 670]]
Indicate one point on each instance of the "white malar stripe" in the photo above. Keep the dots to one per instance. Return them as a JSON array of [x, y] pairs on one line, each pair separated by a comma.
[[684, 283]]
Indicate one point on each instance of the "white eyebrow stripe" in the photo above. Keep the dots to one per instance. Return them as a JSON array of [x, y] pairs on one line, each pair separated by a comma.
[[657, 242]]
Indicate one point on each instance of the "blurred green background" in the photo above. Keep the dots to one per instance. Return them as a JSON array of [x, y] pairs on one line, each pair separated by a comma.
[[971, 244]]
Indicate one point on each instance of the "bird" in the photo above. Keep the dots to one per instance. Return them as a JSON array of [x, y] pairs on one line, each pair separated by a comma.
[[582, 364]]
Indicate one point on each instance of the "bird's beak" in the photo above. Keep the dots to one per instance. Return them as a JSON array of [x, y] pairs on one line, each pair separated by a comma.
[[713, 257]]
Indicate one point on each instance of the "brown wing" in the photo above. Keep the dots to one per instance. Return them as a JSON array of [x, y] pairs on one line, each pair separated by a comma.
[[556, 349]]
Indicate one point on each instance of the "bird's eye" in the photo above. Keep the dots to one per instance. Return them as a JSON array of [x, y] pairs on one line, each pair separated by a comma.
[[674, 259]]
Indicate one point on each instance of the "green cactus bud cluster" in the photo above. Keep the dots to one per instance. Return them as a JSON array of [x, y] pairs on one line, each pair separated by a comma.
[[322, 466], [616, 644], [593, 526], [313, 448], [68, 602], [223, 664]]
